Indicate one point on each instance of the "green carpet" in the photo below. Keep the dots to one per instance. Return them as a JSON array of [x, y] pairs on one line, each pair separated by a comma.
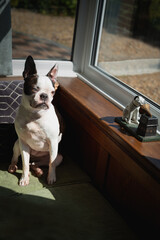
[[70, 209]]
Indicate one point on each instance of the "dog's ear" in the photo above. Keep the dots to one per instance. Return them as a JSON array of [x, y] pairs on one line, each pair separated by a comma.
[[30, 67], [52, 74]]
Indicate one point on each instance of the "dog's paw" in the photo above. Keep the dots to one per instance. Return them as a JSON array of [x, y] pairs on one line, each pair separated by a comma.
[[24, 181], [12, 168], [37, 171], [51, 179]]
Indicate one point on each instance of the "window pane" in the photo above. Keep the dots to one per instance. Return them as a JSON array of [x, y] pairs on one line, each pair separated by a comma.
[[129, 46], [44, 29]]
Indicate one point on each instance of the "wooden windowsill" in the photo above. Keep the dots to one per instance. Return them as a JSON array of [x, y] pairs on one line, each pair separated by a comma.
[[102, 113]]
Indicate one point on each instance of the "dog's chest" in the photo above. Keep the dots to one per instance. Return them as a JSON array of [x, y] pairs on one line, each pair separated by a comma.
[[35, 136], [35, 131]]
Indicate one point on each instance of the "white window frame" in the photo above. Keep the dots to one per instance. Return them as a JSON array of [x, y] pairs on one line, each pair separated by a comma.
[[43, 67], [105, 84]]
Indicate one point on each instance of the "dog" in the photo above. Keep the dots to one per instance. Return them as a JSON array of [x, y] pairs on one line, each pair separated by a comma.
[[37, 125], [131, 111]]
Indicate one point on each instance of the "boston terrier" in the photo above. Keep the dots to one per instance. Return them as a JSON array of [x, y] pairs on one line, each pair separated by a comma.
[[37, 125]]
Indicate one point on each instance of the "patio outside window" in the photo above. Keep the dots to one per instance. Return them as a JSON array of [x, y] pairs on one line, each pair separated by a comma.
[[129, 41], [43, 29]]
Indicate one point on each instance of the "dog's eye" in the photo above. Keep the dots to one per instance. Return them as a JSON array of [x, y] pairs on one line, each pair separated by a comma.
[[35, 89], [53, 92]]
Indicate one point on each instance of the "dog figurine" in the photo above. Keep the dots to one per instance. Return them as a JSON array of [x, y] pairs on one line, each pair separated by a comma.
[[36, 124], [131, 111]]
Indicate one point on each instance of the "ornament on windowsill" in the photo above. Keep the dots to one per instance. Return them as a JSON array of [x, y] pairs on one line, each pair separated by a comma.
[[138, 120], [131, 111], [148, 123]]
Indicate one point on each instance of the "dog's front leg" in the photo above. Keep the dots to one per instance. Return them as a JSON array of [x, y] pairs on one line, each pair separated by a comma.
[[16, 152], [25, 153], [52, 163]]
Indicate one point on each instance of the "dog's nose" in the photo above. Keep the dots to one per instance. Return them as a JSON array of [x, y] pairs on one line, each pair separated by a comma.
[[43, 96]]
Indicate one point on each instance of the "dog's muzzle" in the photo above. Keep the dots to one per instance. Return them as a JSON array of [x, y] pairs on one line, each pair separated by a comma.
[[43, 96]]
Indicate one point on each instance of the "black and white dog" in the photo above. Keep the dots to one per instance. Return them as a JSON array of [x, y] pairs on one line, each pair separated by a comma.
[[36, 124]]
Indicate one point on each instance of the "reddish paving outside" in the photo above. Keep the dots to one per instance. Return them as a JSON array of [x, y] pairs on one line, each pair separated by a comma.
[[24, 45]]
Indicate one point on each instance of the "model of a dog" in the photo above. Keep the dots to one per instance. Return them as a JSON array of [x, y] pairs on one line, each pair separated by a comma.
[[131, 111], [36, 124]]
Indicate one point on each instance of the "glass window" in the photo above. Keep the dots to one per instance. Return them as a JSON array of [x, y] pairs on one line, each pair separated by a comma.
[[128, 44], [43, 29]]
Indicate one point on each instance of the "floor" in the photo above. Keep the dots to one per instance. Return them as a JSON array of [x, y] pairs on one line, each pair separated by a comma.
[[70, 209]]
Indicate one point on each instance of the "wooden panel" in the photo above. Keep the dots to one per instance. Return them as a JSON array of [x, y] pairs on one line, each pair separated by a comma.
[[133, 191], [88, 138], [81, 146], [101, 168], [90, 149]]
